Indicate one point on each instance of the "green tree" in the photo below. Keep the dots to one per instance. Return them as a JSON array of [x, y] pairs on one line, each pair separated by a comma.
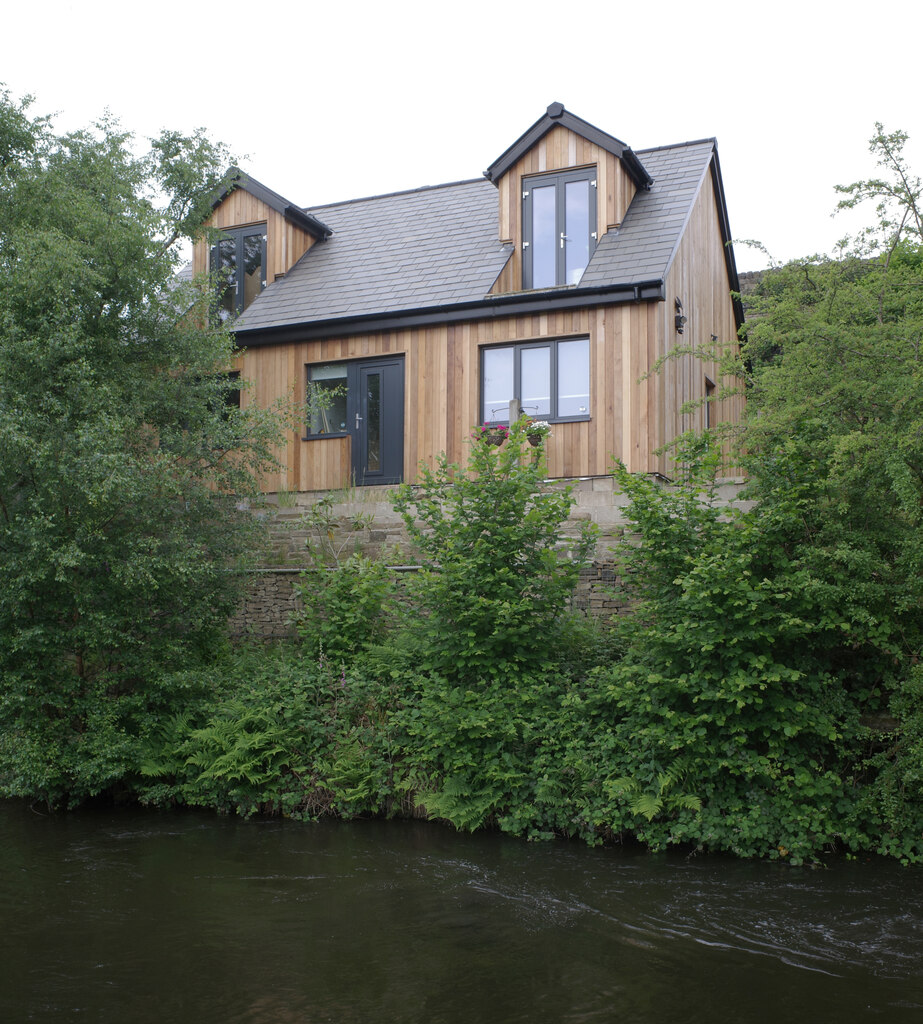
[[121, 462], [836, 411]]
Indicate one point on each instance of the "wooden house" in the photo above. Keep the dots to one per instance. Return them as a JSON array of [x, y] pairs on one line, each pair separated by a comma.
[[557, 279]]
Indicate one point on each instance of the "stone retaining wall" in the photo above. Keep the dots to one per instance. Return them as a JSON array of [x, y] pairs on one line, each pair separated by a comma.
[[267, 611]]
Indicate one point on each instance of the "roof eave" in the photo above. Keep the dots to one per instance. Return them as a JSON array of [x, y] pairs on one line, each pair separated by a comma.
[[510, 304]]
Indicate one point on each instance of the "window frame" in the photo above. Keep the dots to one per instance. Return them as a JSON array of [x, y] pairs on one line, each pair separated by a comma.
[[536, 343], [559, 179], [238, 234]]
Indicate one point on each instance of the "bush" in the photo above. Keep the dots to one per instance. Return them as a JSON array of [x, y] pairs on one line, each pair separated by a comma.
[[498, 573]]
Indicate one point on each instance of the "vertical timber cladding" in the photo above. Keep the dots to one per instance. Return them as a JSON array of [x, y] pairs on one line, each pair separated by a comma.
[[285, 243], [442, 391], [698, 277], [558, 150]]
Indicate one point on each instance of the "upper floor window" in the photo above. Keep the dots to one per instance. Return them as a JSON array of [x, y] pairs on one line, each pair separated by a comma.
[[558, 227], [240, 256], [550, 379]]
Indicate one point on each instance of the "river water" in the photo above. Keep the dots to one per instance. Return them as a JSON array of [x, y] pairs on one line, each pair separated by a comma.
[[129, 916]]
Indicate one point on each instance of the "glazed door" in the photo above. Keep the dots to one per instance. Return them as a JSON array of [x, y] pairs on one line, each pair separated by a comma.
[[378, 422]]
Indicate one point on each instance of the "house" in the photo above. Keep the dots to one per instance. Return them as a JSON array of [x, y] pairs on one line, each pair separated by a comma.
[[556, 279]]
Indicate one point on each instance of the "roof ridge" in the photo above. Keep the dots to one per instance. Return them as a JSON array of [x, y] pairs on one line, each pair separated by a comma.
[[399, 192]]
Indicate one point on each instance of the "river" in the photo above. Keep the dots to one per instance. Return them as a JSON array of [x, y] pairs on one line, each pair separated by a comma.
[[130, 916]]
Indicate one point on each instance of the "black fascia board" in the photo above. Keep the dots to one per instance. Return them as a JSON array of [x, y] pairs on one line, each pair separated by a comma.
[[725, 226], [291, 212], [556, 114], [482, 309]]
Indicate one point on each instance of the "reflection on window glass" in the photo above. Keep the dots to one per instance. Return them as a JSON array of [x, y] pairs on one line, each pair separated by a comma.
[[577, 229], [327, 399], [497, 385], [558, 226], [543, 237], [227, 267], [373, 422], [574, 377], [551, 380], [238, 259], [253, 267], [535, 382]]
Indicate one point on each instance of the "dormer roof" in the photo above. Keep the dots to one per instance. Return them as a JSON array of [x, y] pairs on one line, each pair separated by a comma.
[[557, 115], [236, 178]]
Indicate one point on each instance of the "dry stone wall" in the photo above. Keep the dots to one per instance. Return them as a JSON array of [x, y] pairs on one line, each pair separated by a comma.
[[267, 610]]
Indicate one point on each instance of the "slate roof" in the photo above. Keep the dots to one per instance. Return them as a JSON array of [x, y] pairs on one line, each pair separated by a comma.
[[642, 248], [435, 248], [402, 251]]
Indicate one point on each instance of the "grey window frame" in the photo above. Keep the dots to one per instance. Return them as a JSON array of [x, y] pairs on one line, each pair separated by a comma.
[[238, 234], [518, 347], [559, 179]]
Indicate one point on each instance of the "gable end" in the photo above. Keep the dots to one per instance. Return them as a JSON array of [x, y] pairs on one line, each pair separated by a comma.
[[556, 114], [295, 214]]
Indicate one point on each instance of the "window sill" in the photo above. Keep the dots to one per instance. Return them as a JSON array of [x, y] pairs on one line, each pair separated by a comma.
[[325, 437]]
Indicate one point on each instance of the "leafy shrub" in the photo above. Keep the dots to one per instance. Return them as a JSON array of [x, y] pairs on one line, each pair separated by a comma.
[[730, 729], [498, 573], [286, 734], [345, 600]]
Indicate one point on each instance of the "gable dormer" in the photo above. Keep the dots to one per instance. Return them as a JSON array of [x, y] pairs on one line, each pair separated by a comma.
[[262, 235], [561, 186]]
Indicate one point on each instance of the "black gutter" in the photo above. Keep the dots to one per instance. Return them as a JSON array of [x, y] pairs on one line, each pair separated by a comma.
[[457, 312]]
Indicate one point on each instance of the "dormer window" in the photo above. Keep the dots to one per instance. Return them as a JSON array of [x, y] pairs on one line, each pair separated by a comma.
[[558, 227], [240, 258]]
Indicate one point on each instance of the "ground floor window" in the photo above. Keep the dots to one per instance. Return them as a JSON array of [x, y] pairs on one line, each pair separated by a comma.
[[362, 400], [550, 379]]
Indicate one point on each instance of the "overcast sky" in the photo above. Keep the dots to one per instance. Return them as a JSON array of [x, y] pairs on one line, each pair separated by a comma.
[[324, 102]]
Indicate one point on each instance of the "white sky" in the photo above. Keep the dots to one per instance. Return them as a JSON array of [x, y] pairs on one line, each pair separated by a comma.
[[324, 102]]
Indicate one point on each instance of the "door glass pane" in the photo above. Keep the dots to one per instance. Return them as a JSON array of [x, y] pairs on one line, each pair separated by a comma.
[[327, 399], [543, 237], [574, 377], [535, 367], [498, 385], [226, 252], [253, 267], [577, 229], [373, 422]]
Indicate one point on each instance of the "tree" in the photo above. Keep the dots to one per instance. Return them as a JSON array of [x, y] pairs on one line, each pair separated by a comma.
[[836, 415], [121, 461], [836, 409]]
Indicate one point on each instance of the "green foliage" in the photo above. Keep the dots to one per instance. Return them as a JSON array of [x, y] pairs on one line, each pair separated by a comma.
[[344, 608], [345, 600], [498, 573], [120, 462], [835, 433], [729, 697], [284, 734]]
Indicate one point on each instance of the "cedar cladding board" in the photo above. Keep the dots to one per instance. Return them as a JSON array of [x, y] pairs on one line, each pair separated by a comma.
[[405, 292]]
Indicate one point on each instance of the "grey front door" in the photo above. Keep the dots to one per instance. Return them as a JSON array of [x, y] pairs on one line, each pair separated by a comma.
[[377, 422]]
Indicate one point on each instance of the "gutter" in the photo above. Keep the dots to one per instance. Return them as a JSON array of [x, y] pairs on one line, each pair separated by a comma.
[[512, 304]]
